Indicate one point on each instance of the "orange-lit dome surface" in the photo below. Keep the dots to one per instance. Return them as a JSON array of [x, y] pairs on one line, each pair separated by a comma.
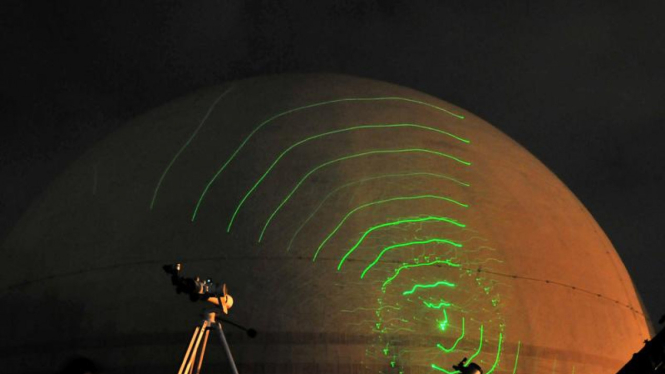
[[360, 227]]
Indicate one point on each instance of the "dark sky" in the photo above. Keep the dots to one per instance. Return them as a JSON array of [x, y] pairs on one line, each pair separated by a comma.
[[579, 83]]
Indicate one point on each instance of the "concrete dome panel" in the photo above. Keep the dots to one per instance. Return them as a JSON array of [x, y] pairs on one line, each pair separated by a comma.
[[360, 226]]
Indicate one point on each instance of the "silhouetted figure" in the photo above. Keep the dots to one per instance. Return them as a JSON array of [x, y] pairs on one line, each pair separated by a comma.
[[651, 358]]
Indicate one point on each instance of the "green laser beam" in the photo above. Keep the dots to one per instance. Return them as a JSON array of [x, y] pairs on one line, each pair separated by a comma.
[[408, 244], [480, 347], [435, 367], [498, 355], [426, 286], [329, 195], [348, 157], [459, 339], [517, 356], [191, 137], [440, 305], [290, 111], [388, 307], [394, 223], [363, 206], [409, 266], [328, 133], [444, 324]]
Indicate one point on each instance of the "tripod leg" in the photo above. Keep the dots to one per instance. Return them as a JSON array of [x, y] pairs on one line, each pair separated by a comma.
[[202, 352], [189, 349], [190, 365], [220, 332]]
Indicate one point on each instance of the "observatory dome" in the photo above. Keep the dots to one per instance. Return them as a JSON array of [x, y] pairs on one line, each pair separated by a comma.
[[361, 227]]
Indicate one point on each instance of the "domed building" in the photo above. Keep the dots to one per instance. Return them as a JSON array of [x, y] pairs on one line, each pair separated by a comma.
[[361, 227]]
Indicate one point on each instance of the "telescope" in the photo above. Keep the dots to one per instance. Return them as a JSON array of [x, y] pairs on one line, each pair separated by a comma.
[[199, 290], [203, 290]]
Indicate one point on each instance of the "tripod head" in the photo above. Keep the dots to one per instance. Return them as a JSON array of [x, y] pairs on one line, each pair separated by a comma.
[[197, 289]]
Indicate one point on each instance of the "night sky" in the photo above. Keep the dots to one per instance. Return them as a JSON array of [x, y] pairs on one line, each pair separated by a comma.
[[580, 84]]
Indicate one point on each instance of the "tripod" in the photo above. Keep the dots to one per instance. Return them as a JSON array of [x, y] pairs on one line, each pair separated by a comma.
[[204, 290], [195, 352]]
